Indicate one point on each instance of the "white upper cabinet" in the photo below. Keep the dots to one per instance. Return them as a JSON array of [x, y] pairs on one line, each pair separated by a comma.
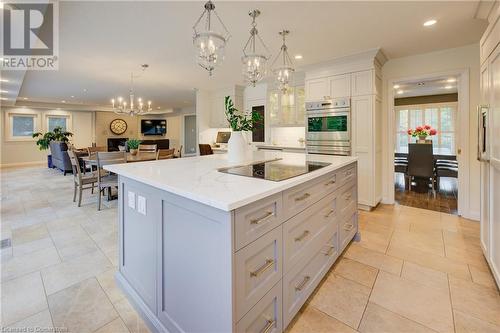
[[340, 86], [287, 109], [317, 89], [362, 83]]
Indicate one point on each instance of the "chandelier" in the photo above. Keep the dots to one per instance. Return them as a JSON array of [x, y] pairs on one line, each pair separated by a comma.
[[254, 63], [284, 72], [209, 44], [133, 107]]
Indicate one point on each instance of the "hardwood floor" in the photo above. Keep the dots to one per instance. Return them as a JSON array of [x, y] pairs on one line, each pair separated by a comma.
[[445, 201]]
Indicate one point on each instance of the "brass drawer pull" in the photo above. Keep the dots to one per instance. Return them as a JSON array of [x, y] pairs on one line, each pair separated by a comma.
[[330, 213], [269, 326], [331, 182], [262, 219], [348, 227], [301, 237], [269, 263], [303, 283], [348, 197], [303, 197], [330, 251]]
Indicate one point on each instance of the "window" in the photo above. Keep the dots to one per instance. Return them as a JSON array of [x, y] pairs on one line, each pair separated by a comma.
[[23, 126], [57, 121], [440, 116]]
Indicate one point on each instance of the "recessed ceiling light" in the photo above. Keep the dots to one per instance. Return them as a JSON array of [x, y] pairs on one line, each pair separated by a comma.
[[451, 80], [400, 92], [25, 98], [85, 90], [448, 87], [3, 98], [298, 56], [72, 96], [4, 80], [63, 101], [3, 91], [158, 107], [429, 23], [396, 86]]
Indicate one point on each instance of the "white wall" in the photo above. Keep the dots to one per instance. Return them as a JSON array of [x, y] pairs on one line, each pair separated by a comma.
[[466, 57], [14, 153]]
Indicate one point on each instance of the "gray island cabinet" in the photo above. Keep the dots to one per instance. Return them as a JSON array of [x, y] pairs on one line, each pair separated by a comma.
[[206, 251]]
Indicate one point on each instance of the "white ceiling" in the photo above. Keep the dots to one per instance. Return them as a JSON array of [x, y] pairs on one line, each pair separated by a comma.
[[102, 42], [434, 86]]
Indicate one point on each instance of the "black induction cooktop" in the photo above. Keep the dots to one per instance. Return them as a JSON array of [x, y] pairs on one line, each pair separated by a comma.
[[275, 170]]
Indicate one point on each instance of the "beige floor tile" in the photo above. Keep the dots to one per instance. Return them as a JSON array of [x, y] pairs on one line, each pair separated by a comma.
[[130, 317], [31, 262], [30, 247], [82, 307], [482, 276], [116, 326], [342, 299], [475, 300], [465, 323], [312, 320], [29, 234], [377, 320], [107, 281], [22, 298], [420, 241], [73, 242], [67, 273], [41, 321], [425, 276], [426, 305], [374, 241], [430, 260], [356, 272], [375, 259]]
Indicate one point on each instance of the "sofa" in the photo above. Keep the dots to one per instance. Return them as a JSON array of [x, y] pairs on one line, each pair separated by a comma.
[[60, 157]]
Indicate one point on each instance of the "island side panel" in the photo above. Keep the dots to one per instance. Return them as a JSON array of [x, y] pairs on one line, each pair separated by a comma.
[[192, 275]]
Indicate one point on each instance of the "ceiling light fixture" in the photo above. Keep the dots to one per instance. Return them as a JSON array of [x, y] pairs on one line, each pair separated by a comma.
[[396, 86], [430, 23], [254, 62], [3, 98], [451, 80], [283, 73], [4, 80], [448, 87], [63, 101], [134, 108], [3, 91], [400, 92], [209, 44], [25, 98], [298, 56]]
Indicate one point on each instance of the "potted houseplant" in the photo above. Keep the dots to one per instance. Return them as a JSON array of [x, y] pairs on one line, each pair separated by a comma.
[[44, 140], [422, 132], [133, 145], [239, 122]]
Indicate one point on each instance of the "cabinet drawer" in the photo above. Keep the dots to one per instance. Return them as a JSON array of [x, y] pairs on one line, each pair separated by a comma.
[[347, 199], [301, 281], [266, 315], [254, 220], [301, 233], [258, 269], [347, 229], [346, 174], [300, 197]]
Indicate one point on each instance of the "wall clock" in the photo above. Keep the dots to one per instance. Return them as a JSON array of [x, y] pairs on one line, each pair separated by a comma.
[[118, 126]]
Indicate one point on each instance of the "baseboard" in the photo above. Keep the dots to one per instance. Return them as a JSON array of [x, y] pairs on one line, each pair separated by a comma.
[[23, 164], [472, 215]]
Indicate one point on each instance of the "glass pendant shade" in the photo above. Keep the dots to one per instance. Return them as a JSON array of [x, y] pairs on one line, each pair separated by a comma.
[[209, 44], [254, 62], [283, 73]]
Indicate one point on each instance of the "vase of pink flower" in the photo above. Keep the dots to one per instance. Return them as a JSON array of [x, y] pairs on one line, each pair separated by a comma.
[[422, 132]]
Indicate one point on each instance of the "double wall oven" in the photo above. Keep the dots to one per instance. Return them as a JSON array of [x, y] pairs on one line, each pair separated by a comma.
[[328, 127]]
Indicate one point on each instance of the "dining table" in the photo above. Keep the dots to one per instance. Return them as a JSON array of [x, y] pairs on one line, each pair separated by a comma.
[[139, 157]]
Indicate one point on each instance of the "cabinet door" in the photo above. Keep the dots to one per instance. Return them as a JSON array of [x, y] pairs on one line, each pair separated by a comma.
[[217, 115], [287, 107], [273, 106], [485, 220], [317, 89], [340, 86], [300, 106], [362, 83]]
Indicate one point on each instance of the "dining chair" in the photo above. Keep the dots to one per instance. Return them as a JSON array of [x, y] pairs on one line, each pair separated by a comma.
[[163, 154], [421, 163], [147, 148], [205, 149], [80, 180], [401, 166], [107, 180], [91, 150]]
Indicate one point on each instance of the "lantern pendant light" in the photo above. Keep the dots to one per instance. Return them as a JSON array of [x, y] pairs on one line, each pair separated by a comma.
[[283, 73], [254, 60]]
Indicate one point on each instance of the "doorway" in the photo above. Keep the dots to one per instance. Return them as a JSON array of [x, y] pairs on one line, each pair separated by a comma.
[[190, 135], [426, 168]]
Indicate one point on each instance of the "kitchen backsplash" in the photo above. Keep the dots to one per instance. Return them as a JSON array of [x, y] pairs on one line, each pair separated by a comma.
[[288, 136]]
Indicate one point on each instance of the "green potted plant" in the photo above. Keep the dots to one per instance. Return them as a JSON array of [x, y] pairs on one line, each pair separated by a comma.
[[44, 140], [133, 145], [239, 122]]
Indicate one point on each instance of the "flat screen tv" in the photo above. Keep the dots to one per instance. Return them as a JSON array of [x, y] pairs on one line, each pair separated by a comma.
[[153, 126]]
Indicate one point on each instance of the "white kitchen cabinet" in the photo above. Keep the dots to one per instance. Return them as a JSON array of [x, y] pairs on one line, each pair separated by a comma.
[[362, 83], [317, 89], [217, 108], [287, 109], [340, 86]]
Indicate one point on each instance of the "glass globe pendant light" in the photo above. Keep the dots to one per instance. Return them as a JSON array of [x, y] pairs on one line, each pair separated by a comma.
[[209, 44], [254, 63], [284, 72]]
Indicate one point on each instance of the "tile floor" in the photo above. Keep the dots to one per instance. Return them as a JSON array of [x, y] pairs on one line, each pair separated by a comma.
[[413, 271]]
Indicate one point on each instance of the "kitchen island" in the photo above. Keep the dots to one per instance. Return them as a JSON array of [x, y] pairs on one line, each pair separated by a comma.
[[209, 248]]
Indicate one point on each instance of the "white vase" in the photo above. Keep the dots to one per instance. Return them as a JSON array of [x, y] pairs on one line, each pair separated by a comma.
[[237, 147]]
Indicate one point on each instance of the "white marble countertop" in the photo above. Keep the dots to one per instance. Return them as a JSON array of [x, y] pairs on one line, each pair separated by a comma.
[[198, 178], [270, 145]]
